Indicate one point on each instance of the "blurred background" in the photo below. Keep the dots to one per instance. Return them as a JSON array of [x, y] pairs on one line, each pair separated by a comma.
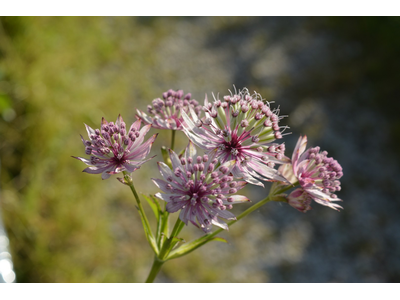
[[336, 78]]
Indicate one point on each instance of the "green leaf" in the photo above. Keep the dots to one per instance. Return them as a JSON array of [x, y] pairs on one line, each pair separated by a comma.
[[149, 235], [176, 240], [164, 228], [155, 206], [156, 202], [180, 154], [159, 233], [189, 247], [167, 160], [219, 239]]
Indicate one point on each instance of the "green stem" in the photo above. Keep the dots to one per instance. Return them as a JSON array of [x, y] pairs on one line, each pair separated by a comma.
[[173, 139], [167, 245], [159, 261], [129, 181], [155, 268], [249, 210]]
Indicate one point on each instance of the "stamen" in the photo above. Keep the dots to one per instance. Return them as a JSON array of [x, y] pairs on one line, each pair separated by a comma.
[[207, 121], [244, 123]]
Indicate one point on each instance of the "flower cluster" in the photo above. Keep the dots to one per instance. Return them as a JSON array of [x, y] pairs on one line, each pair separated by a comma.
[[239, 138], [114, 149], [241, 127], [166, 113], [202, 190], [239, 135], [318, 176]]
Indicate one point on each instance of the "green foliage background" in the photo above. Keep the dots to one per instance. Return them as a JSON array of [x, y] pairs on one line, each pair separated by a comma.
[[56, 74]]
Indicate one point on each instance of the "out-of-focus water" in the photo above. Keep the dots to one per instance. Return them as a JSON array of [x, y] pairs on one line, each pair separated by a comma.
[[338, 88], [7, 274]]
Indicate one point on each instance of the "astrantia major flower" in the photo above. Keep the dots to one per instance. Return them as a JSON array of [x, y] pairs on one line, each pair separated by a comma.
[[166, 113], [318, 176], [199, 188], [114, 149], [241, 127]]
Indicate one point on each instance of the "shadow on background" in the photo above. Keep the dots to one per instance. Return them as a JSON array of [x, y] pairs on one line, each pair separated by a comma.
[[336, 78]]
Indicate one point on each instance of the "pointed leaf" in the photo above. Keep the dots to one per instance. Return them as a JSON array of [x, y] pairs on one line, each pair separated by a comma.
[[149, 235], [161, 213], [153, 204], [159, 233], [175, 241], [167, 160], [156, 202], [164, 228], [189, 247]]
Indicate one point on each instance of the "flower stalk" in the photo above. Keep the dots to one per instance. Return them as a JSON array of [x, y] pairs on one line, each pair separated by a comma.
[[155, 268], [145, 221], [159, 259], [172, 139]]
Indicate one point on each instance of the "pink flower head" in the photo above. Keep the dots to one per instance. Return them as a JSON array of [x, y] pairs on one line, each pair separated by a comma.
[[199, 188], [166, 113], [113, 149], [241, 127], [318, 176]]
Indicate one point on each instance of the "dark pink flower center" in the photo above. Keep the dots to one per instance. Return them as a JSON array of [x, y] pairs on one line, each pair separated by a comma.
[[233, 147], [118, 159]]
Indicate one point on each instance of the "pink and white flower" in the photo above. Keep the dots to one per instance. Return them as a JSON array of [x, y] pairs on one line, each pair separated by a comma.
[[318, 176], [113, 149], [200, 188], [243, 128], [166, 113]]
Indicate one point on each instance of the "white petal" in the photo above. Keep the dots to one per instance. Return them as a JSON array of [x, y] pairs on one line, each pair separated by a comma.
[[89, 130], [105, 176], [220, 223], [299, 149], [165, 197], [190, 151], [236, 199]]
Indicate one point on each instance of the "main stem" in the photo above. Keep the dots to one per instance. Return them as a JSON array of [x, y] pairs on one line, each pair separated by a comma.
[[159, 261], [155, 268]]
